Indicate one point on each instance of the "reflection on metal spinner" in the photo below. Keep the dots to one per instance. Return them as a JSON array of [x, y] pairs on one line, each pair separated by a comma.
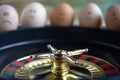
[[60, 65]]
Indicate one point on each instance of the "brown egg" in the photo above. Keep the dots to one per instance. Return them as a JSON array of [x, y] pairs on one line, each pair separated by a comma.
[[112, 18], [62, 15], [90, 16]]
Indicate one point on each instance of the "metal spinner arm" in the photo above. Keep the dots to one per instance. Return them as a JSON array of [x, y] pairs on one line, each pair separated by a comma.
[[66, 54]]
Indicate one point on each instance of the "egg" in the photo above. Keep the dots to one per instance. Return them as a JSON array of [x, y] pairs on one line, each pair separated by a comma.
[[112, 18], [34, 15], [90, 16], [8, 18], [62, 15]]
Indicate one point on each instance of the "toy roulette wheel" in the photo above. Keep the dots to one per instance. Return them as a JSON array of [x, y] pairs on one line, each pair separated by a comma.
[[75, 54]]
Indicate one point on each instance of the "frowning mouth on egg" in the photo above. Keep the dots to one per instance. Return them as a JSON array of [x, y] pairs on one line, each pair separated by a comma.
[[6, 22], [115, 19], [31, 17]]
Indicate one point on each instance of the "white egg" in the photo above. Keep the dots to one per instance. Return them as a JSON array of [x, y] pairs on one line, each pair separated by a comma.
[[33, 15], [8, 18], [91, 16]]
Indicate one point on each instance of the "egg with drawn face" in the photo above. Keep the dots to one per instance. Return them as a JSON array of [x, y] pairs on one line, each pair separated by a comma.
[[112, 18], [90, 16], [62, 15], [33, 15], [8, 18]]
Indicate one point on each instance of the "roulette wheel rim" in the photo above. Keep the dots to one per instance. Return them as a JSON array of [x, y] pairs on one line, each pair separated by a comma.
[[56, 39]]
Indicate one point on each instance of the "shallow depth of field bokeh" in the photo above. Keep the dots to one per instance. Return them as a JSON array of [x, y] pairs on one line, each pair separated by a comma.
[[76, 4], [49, 4]]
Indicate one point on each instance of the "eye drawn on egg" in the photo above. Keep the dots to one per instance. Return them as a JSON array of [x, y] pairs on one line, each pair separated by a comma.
[[6, 14], [32, 11], [89, 13], [62, 14]]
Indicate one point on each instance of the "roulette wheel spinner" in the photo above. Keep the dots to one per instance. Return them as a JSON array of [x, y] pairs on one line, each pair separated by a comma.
[[68, 63]]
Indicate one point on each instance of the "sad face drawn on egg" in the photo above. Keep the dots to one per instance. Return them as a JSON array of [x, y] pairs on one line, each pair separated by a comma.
[[90, 16], [62, 15], [33, 15], [112, 18], [32, 12], [114, 15], [6, 14], [8, 18]]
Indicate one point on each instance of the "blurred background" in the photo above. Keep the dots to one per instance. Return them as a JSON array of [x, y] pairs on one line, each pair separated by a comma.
[[49, 4]]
